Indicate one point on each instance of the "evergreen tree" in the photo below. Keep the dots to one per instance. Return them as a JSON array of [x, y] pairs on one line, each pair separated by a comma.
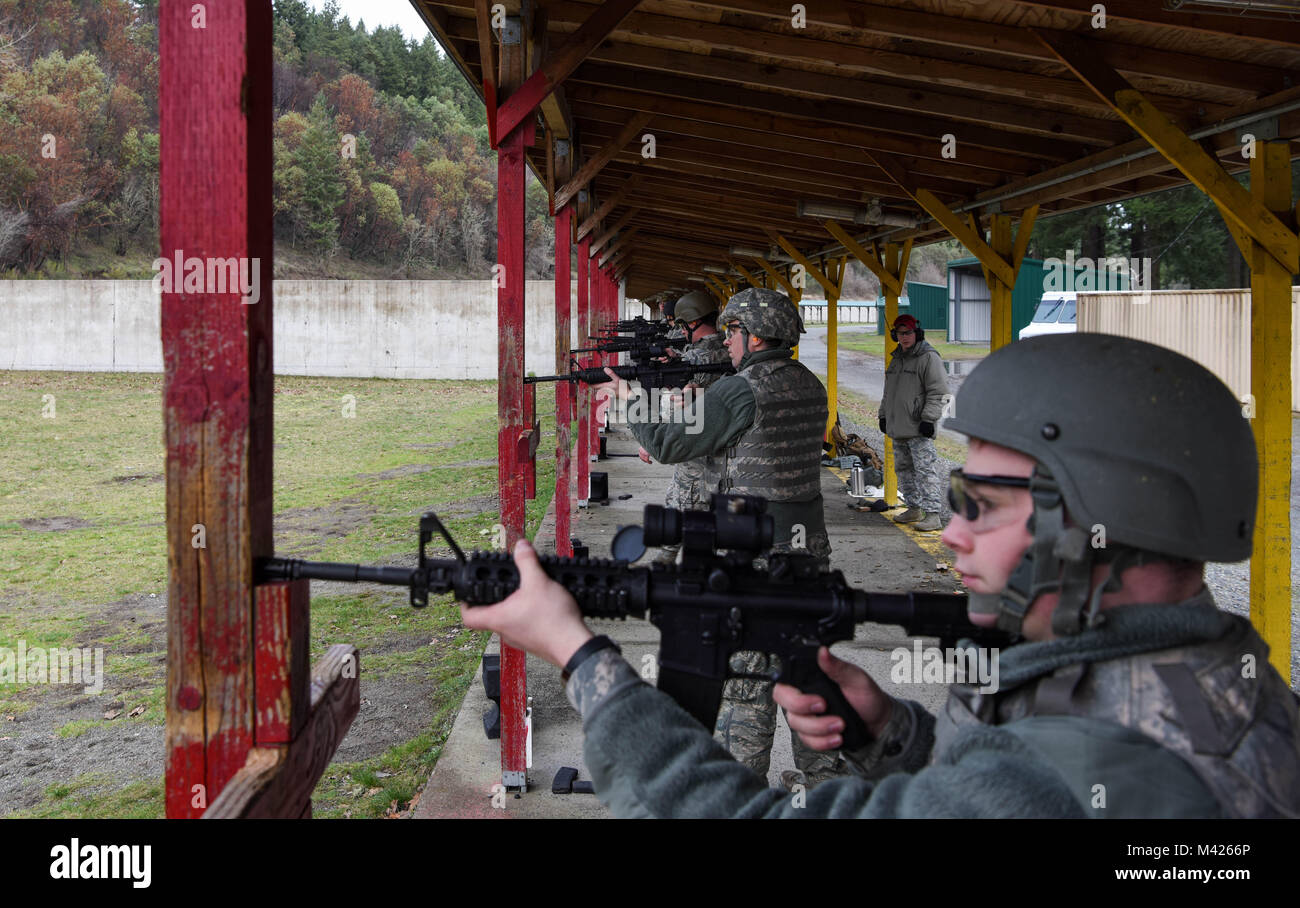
[[318, 157]]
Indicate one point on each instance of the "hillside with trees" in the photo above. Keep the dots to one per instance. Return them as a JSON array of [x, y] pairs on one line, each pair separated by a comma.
[[382, 162]]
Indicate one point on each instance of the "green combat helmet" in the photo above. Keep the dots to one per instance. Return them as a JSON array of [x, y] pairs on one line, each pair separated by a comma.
[[766, 314], [1145, 451], [694, 306]]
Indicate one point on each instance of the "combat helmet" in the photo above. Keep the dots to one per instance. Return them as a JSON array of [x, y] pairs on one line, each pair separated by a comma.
[[766, 314], [1145, 452], [694, 306]]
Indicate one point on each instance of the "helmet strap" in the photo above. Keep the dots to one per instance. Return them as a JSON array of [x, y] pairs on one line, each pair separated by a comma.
[[1059, 559]]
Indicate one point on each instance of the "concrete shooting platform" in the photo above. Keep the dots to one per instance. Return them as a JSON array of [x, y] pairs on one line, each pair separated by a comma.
[[873, 552]]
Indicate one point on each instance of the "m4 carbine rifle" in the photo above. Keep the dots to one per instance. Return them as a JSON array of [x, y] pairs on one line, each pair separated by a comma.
[[634, 347], [675, 374], [707, 608]]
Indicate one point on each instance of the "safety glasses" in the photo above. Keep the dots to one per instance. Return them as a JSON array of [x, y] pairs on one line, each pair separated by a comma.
[[734, 329], [969, 504]]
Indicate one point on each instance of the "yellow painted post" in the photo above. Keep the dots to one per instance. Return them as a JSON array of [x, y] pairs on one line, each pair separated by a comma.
[[891, 313], [836, 273], [1270, 384], [796, 297], [999, 291]]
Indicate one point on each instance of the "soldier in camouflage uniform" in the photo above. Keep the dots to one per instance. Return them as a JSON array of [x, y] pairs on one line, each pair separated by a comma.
[[762, 435], [696, 314], [1132, 694]]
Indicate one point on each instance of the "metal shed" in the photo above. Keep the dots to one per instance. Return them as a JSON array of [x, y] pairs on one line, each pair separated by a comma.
[[969, 298]]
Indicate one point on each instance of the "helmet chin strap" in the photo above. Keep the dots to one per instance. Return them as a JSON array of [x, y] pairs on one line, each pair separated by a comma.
[[1058, 560]]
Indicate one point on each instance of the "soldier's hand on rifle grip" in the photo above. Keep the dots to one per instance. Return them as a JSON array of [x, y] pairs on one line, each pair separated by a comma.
[[807, 715], [539, 617], [621, 388]]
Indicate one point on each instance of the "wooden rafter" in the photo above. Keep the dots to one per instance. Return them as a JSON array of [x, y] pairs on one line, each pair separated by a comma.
[[1203, 170], [559, 65], [593, 165]]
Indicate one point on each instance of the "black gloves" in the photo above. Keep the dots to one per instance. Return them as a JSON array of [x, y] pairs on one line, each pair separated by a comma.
[[881, 420], [927, 429]]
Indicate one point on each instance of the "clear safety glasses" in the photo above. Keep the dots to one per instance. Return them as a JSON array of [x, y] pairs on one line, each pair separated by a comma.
[[982, 513]]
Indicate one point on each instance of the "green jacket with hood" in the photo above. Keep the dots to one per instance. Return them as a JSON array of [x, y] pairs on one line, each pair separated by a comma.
[[915, 387]]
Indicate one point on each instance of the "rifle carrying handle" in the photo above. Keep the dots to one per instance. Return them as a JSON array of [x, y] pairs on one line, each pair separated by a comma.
[[855, 732]]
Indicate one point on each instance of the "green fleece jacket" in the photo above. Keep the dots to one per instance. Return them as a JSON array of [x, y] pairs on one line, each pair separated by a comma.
[[915, 388], [648, 758], [728, 413]]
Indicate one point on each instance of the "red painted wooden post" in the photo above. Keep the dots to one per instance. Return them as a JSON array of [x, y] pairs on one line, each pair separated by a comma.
[[585, 397], [215, 201], [510, 417], [602, 359], [510, 375], [564, 389], [282, 661]]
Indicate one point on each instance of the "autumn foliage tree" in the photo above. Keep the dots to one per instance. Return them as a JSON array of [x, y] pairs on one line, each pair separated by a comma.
[[380, 144]]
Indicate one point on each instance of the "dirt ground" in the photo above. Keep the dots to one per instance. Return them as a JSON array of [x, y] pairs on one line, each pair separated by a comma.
[[35, 758], [83, 563]]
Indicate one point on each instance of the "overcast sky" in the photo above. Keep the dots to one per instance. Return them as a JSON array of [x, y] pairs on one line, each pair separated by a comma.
[[381, 12]]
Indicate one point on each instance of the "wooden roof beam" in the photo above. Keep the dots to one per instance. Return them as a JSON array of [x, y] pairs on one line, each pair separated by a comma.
[[560, 64], [757, 162], [885, 99], [1012, 40], [780, 40], [608, 205], [922, 129], [1206, 173], [593, 165], [1271, 30], [605, 237], [776, 143], [799, 126], [737, 186], [618, 248]]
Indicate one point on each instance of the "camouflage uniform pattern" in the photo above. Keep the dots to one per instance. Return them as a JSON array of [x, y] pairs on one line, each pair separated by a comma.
[[916, 463], [779, 458], [1239, 731], [747, 724], [765, 313], [689, 490]]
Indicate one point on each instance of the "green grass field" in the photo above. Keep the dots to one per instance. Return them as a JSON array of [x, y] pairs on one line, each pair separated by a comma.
[[874, 344], [82, 502]]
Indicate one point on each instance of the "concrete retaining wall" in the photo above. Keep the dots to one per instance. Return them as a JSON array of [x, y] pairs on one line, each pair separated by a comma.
[[360, 329]]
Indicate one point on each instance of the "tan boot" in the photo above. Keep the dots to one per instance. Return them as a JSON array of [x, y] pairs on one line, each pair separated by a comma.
[[928, 523], [911, 515]]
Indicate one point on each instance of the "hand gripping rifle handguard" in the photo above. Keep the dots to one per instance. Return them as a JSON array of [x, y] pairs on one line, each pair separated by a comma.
[[711, 606]]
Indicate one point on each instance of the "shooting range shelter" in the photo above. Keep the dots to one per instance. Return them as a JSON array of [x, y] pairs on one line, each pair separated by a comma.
[[687, 144]]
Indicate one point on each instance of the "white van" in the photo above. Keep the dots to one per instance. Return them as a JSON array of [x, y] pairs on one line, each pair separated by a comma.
[[1056, 315]]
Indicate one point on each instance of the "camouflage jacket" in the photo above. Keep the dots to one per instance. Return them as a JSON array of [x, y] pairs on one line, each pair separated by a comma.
[[727, 415], [709, 349], [648, 757]]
